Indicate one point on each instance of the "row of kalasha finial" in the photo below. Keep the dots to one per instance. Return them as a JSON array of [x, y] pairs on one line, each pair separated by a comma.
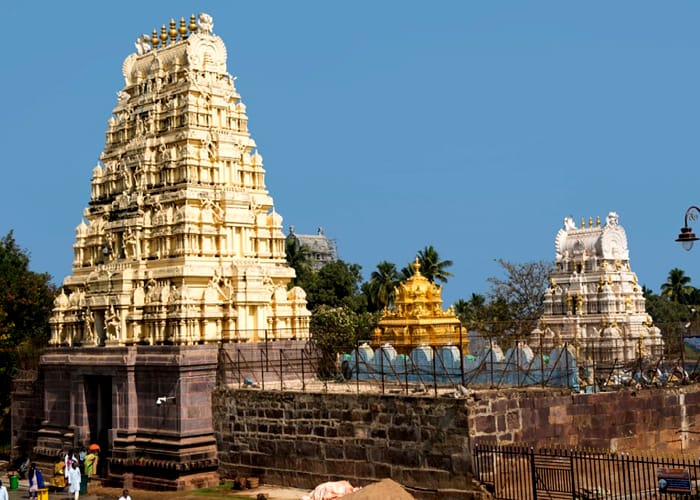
[[168, 36]]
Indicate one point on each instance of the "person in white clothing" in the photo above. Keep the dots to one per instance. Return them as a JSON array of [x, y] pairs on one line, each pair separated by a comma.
[[125, 495], [3, 492], [74, 480]]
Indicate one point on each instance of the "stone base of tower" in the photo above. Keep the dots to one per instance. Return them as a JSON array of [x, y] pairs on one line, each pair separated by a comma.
[[148, 407]]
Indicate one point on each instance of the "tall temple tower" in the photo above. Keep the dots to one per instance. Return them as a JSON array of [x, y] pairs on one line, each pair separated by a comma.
[[180, 243], [594, 301], [180, 256]]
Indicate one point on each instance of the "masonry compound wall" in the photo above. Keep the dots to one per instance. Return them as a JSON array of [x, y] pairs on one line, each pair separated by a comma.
[[425, 443], [303, 439], [651, 420]]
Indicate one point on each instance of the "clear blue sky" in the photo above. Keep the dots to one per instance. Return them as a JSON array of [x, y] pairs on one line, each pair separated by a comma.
[[475, 127]]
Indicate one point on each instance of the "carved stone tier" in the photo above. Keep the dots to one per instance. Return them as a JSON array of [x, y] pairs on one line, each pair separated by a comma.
[[149, 409], [594, 300]]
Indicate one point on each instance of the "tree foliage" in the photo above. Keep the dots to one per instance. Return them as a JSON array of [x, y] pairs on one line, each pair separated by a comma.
[[473, 313], [677, 288], [337, 284], [523, 288], [26, 300], [299, 258], [381, 285], [431, 267], [336, 330]]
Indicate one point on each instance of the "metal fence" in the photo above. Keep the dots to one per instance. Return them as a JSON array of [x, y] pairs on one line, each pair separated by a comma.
[[302, 366], [525, 473]]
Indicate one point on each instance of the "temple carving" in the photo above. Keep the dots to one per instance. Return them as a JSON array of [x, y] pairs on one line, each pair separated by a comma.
[[180, 242], [417, 317], [594, 302]]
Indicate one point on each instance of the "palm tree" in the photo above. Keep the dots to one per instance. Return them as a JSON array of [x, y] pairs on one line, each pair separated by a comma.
[[381, 285], [676, 287], [432, 267], [471, 312]]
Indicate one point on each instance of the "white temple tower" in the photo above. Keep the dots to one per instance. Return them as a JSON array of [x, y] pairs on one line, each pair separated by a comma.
[[594, 301], [180, 243]]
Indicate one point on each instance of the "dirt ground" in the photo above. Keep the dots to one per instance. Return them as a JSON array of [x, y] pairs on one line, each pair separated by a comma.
[[219, 493]]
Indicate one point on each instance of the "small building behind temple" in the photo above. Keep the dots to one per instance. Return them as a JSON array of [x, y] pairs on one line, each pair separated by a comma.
[[418, 318], [321, 249], [594, 301]]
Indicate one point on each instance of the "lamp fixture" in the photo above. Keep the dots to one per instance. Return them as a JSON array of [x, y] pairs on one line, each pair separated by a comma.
[[687, 237], [163, 399]]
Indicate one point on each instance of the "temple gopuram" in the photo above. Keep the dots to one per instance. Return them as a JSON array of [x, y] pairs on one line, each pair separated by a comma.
[[417, 317], [180, 254], [180, 242], [594, 301]]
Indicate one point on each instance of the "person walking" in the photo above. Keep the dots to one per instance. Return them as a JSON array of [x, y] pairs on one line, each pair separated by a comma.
[[125, 495], [74, 480], [3, 492], [33, 481]]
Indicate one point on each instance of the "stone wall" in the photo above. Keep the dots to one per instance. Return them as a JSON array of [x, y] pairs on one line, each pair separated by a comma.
[[425, 443], [659, 420], [26, 411], [303, 439]]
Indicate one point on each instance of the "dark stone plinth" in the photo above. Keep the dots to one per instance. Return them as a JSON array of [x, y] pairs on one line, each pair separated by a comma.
[[148, 407]]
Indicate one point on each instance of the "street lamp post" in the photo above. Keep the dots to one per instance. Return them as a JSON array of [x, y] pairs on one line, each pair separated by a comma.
[[687, 237]]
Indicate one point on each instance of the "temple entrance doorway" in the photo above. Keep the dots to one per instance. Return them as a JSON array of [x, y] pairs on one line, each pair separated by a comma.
[[98, 398]]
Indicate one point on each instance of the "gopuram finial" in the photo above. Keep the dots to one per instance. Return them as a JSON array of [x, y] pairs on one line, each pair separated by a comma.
[[182, 29], [163, 35], [193, 24], [172, 32]]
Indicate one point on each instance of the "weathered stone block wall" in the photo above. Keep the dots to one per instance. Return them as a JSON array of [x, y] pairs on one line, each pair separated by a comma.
[[303, 439], [661, 420], [27, 410]]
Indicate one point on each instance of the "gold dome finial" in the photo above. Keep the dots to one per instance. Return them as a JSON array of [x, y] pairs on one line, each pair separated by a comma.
[[416, 266], [172, 31], [597, 221], [154, 38], [590, 222], [193, 24], [182, 29], [163, 35], [583, 222]]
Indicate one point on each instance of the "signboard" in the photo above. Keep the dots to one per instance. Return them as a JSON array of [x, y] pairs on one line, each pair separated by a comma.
[[673, 479]]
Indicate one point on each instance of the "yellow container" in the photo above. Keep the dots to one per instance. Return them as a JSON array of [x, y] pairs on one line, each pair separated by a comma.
[[43, 494]]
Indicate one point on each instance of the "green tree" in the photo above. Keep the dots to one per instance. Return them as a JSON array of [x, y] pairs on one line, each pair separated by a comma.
[[26, 300], [676, 288], [431, 266], [520, 296], [299, 258], [336, 330], [473, 313], [337, 284], [380, 287]]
